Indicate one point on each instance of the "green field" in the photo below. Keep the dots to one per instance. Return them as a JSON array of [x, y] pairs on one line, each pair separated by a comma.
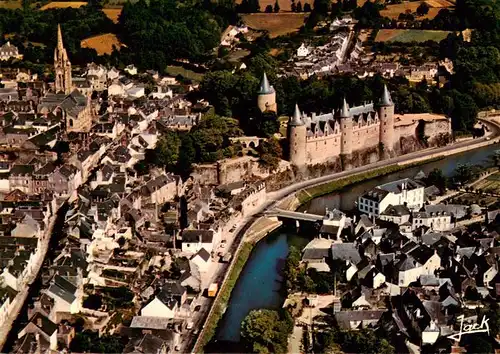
[[410, 35], [188, 74], [14, 4]]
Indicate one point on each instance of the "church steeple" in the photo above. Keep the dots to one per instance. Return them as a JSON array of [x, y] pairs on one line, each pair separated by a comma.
[[62, 66], [60, 45]]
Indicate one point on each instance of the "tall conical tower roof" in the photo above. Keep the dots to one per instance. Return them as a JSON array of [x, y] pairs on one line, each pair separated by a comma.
[[386, 99], [265, 87], [344, 111], [296, 119], [59, 37]]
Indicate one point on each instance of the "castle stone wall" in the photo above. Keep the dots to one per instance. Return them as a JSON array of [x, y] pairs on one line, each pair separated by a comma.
[[323, 148], [365, 137]]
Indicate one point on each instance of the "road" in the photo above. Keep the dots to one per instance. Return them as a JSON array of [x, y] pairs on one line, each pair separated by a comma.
[[274, 198], [24, 288]]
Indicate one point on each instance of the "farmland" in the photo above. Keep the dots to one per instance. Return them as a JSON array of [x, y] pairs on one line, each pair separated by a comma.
[[10, 4], [393, 11], [490, 185], [103, 43], [276, 24], [285, 5], [407, 36], [63, 4], [113, 14]]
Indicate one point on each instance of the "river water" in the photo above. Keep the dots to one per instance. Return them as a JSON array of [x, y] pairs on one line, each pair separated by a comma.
[[259, 285]]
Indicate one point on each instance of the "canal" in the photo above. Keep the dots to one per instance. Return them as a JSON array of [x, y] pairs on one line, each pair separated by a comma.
[[259, 285]]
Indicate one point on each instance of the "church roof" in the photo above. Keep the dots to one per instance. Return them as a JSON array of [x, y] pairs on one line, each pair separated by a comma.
[[296, 120], [265, 87], [386, 99]]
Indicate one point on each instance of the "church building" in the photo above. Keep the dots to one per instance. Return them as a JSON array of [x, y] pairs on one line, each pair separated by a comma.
[[73, 107]]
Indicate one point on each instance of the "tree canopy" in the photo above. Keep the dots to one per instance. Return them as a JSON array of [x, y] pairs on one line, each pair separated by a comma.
[[266, 331]]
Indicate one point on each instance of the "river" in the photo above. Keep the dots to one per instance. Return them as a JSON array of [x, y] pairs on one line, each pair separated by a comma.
[[259, 285]]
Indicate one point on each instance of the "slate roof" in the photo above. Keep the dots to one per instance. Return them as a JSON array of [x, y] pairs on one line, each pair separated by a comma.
[[205, 236], [407, 263], [203, 253], [344, 317], [312, 254], [346, 252], [22, 170], [63, 289], [396, 210], [422, 254], [47, 326]]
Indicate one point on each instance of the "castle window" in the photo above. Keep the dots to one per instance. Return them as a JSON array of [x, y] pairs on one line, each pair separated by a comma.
[[385, 123], [295, 134], [344, 126], [325, 142], [385, 115], [71, 122]]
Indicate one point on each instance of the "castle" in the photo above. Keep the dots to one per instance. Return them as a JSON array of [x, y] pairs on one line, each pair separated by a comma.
[[326, 137]]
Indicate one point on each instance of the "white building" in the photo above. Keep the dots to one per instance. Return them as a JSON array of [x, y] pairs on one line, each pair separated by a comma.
[[403, 192], [438, 221], [302, 51]]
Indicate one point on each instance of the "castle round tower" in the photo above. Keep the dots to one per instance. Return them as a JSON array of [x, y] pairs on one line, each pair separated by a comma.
[[297, 138], [346, 129], [266, 98], [386, 117]]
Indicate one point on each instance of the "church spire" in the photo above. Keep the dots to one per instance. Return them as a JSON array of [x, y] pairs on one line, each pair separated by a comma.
[[62, 66], [59, 37]]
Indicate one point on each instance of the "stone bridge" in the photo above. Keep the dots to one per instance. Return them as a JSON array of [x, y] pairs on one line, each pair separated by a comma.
[[247, 141], [295, 215]]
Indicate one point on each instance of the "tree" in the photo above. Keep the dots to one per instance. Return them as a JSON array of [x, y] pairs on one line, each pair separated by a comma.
[[464, 173], [438, 179], [276, 6], [167, 150], [267, 124], [299, 6], [270, 153], [269, 9], [423, 9], [307, 7], [265, 331], [293, 7]]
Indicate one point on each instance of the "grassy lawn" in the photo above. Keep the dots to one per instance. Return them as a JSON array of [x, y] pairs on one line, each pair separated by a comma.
[[276, 24], [410, 35], [188, 74]]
